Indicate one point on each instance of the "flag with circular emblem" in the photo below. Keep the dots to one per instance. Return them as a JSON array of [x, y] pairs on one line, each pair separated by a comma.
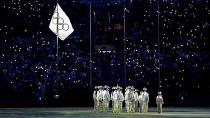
[[60, 23]]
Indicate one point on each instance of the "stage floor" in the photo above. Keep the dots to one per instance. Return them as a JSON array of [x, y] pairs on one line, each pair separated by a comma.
[[171, 112]]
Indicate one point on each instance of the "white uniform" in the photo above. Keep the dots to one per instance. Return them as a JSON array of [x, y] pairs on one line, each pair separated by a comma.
[[146, 101], [136, 99], [115, 102], [95, 100], [120, 100], [141, 102], [106, 99], [129, 98], [126, 100], [159, 102], [99, 99]]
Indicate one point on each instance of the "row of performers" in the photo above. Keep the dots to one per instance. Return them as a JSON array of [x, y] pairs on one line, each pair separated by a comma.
[[135, 101]]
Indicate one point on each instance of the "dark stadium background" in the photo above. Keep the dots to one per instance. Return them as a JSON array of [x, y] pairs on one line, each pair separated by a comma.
[[28, 48]]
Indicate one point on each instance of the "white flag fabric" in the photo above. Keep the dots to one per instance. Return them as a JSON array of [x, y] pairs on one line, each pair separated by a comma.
[[60, 23]]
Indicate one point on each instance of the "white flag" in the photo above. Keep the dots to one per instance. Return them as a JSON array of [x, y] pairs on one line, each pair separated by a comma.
[[60, 23]]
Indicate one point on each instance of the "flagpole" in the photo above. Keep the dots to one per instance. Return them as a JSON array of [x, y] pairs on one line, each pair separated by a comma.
[[90, 46], [57, 49], [124, 36], [62, 33], [159, 82]]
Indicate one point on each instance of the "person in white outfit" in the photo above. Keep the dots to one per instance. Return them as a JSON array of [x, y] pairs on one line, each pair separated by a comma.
[[112, 93], [99, 99], [129, 98], [120, 98], [141, 102], [126, 98], [159, 102], [115, 101], [132, 100], [136, 100], [106, 98], [146, 100], [94, 98]]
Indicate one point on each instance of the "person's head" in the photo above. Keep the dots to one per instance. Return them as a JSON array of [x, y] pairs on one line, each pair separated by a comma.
[[96, 87], [127, 88], [136, 90], [144, 89], [159, 93], [140, 92], [100, 87], [132, 89]]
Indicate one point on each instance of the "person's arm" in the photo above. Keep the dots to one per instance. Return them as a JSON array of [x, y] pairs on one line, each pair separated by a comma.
[[157, 100]]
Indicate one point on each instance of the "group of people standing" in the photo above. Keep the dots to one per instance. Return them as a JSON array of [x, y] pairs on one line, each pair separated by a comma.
[[135, 101]]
